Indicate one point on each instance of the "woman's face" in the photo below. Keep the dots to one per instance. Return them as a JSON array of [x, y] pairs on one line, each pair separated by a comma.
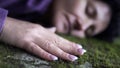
[[81, 18]]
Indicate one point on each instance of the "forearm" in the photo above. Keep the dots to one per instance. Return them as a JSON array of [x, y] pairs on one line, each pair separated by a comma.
[[13, 28], [39, 41]]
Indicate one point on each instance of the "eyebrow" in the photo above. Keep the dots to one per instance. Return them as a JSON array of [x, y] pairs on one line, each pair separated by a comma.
[[91, 4]]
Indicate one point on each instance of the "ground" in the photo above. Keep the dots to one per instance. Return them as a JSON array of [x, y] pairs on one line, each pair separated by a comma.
[[99, 54]]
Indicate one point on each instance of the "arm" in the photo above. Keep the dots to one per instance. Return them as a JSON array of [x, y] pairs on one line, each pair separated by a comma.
[[37, 40]]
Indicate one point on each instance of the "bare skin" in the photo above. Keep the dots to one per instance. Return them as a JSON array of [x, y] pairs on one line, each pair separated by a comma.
[[40, 41], [81, 18], [45, 43]]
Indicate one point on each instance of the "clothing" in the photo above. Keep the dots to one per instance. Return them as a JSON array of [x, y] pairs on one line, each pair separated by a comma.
[[3, 14], [21, 9], [17, 7]]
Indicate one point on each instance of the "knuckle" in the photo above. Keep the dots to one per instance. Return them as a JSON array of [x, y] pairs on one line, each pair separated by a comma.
[[61, 53], [72, 48], [73, 45], [44, 54], [27, 45], [57, 41], [30, 47], [65, 55], [48, 44]]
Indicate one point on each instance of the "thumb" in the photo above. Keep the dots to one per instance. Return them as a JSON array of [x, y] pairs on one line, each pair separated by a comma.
[[52, 29]]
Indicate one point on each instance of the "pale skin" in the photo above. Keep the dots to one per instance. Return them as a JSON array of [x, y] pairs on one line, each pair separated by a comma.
[[40, 41], [44, 42], [81, 18]]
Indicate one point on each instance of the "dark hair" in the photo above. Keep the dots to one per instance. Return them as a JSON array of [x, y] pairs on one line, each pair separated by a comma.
[[113, 29]]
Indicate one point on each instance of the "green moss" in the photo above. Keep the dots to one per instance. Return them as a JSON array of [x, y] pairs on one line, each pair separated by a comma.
[[99, 54]]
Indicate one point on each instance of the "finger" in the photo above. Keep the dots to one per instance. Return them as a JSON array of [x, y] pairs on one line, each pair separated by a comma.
[[70, 47], [35, 49], [51, 48], [53, 29], [75, 49]]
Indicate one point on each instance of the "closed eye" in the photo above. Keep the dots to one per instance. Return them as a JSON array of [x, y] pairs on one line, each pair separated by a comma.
[[90, 31], [90, 10]]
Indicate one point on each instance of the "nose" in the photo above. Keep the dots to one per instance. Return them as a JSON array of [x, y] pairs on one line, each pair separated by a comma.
[[81, 25], [77, 25], [79, 28]]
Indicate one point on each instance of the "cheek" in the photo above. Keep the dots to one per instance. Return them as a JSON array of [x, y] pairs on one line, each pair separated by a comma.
[[100, 27], [60, 24], [102, 23]]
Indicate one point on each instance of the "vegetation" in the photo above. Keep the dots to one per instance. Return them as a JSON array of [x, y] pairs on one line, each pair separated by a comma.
[[99, 54]]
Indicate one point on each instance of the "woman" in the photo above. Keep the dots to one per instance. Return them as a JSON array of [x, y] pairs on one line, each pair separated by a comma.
[[86, 18], [79, 18]]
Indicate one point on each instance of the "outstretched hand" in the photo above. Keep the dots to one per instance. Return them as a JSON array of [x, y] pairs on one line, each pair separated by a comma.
[[40, 41]]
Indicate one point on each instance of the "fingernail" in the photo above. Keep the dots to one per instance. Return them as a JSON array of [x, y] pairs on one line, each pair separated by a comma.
[[82, 51], [73, 58], [54, 57], [79, 46]]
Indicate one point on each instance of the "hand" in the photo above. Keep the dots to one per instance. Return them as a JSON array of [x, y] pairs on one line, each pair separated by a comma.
[[39, 41]]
